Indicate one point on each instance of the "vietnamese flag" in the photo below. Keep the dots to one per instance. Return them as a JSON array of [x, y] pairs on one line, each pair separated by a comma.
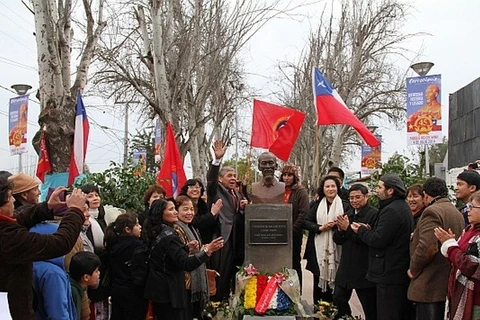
[[171, 176], [275, 128], [43, 165], [331, 109]]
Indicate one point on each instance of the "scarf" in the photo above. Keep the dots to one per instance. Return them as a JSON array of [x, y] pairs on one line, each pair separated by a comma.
[[461, 295], [198, 277], [97, 231], [328, 253]]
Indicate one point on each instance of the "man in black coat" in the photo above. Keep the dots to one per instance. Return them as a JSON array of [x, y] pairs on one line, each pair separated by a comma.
[[389, 241], [354, 260]]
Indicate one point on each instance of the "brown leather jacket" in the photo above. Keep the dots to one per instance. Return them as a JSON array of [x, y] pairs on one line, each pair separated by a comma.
[[19, 248]]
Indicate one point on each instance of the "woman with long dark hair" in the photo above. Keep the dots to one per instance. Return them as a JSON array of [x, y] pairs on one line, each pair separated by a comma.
[[322, 253], [169, 258], [121, 240]]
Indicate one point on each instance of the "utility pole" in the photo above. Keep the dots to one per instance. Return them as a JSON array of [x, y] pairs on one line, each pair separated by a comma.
[[125, 138], [125, 129]]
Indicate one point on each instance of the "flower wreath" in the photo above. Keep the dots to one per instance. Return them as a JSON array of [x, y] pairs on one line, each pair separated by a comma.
[[268, 293]]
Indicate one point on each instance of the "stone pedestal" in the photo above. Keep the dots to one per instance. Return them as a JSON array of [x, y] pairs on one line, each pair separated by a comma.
[[268, 236]]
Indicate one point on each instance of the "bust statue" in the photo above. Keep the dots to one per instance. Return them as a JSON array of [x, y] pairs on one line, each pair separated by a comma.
[[269, 189]]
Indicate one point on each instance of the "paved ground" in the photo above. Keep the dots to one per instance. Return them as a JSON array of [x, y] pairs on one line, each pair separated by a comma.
[[307, 292]]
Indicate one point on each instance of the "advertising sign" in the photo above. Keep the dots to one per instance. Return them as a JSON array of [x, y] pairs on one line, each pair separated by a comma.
[[371, 157], [424, 110], [18, 121]]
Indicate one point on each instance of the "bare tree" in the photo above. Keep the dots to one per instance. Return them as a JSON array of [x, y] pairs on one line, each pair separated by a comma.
[[54, 35], [357, 49], [181, 58]]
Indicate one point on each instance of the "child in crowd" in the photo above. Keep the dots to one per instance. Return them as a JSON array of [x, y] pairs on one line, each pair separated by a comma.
[[84, 273], [121, 240]]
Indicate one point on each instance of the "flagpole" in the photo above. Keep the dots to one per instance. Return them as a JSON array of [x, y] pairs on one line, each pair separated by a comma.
[[249, 162], [317, 148]]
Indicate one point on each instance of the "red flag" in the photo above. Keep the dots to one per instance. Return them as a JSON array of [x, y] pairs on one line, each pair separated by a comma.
[[171, 176], [43, 165], [275, 128], [80, 141], [332, 110]]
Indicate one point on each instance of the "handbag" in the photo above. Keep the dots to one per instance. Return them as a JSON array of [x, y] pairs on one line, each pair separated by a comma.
[[212, 282]]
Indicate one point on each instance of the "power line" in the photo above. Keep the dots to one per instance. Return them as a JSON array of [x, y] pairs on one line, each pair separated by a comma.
[[21, 27], [15, 13], [17, 64], [19, 42]]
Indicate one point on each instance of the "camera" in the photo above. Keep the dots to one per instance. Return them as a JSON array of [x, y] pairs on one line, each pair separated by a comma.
[[474, 165]]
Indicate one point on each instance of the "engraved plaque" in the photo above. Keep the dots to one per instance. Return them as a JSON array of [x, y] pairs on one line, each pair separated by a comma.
[[263, 231]]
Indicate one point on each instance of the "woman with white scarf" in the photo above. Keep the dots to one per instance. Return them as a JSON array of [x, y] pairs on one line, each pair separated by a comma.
[[99, 297], [322, 254]]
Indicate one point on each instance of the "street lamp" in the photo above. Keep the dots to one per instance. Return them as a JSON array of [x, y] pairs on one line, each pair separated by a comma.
[[422, 68], [21, 89]]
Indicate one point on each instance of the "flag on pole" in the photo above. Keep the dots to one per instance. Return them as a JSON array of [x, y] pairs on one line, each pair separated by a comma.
[[43, 165], [80, 140], [275, 128], [331, 109], [171, 176]]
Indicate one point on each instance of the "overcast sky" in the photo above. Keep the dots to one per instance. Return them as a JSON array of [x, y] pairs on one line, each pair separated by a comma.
[[452, 45]]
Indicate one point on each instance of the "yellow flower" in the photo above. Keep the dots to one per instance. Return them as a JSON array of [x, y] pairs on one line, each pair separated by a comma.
[[250, 293]]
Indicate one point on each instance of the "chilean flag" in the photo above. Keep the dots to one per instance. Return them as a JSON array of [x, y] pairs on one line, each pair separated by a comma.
[[171, 176], [80, 140], [331, 109]]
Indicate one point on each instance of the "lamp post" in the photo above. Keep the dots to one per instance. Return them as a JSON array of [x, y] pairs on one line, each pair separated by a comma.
[[21, 89], [422, 69]]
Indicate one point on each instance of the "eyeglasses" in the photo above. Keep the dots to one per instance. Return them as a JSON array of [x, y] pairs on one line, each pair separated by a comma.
[[194, 187], [470, 206], [355, 197]]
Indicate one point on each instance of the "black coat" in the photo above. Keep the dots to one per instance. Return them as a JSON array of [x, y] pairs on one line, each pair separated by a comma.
[[389, 242], [312, 226], [120, 256], [354, 261], [204, 221], [168, 261]]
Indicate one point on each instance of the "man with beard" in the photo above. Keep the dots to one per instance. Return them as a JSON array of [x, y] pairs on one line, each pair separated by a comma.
[[269, 189], [389, 248]]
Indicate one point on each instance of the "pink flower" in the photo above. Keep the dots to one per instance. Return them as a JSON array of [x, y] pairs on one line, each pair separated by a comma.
[[280, 277], [251, 270]]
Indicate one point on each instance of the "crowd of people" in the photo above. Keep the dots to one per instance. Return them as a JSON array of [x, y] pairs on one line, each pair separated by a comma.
[[416, 256]]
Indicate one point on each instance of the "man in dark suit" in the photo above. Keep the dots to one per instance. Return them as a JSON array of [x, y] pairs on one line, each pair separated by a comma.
[[230, 222], [354, 260]]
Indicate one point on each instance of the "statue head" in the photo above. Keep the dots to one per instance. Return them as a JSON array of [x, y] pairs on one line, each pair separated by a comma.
[[267, 164]]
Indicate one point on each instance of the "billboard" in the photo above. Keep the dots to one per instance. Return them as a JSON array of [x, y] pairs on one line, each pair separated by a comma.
[[371, 157], [424, 110], [18, 121]]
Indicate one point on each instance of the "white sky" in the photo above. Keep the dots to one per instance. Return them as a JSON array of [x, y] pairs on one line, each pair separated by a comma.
[[452, 45]]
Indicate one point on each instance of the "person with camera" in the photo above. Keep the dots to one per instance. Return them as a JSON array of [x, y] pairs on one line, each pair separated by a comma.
[[20, 248]]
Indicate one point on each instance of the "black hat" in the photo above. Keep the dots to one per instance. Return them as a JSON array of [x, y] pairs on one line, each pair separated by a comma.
[[392, 180]]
